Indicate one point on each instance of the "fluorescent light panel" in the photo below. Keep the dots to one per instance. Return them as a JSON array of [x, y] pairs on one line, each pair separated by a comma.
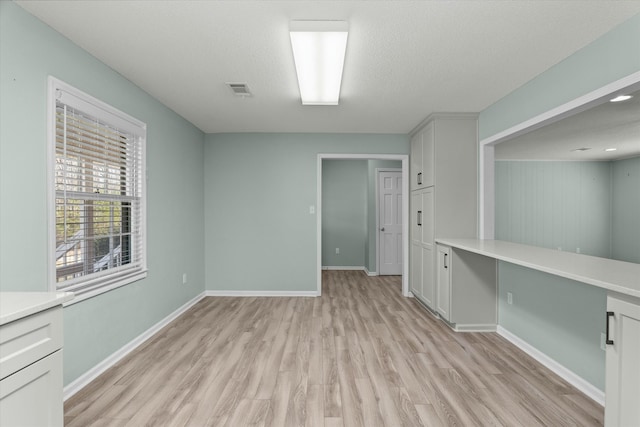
[[318, 51]]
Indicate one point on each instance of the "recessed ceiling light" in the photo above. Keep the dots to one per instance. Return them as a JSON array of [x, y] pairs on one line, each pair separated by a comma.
[[581, 149], [610, 149], [621, 98], [318, 52]]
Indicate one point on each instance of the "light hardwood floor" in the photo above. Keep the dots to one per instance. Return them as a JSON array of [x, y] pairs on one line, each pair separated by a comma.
[[360, 355]]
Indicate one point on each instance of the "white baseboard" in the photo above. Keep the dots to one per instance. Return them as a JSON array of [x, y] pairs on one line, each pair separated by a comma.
[[84, 379], [474, 328], [261, 293], [369, 273], [344, 267], [569, 376]]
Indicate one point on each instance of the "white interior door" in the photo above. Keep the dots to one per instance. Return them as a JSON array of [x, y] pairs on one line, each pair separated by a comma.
[[390, 223]]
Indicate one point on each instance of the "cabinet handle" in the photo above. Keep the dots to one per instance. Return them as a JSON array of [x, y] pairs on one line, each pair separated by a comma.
[[419, 178], [445, 261], [420, 218], [608, 340]]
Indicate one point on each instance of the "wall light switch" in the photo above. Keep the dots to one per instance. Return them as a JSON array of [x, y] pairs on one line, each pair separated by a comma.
[[509, 298], [337, 251], [312, 209]]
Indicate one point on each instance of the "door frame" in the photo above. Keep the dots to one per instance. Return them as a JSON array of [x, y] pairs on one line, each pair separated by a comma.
[[405, 211], [377, 178]]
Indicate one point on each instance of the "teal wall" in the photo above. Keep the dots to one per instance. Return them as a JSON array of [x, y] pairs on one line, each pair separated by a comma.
[[344, 212], [560, 317], [371, 252], [97, 327], [259, 234], [555, 204], [625, 230], [609, 58]]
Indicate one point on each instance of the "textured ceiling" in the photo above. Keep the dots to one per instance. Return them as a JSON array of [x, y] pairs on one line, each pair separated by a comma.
[[405, 59]]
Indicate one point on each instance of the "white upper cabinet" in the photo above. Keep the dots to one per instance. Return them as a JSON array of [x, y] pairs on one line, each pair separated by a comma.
[[422, 158], [428, 156], [416, 162]]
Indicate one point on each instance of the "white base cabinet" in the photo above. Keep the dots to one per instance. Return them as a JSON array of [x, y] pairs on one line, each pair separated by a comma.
[[622, 407], [443, 280], [33, 395], [31, 358], [467, 293]]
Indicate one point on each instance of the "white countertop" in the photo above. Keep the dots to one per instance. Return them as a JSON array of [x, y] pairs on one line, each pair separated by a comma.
[[16, 305], [613, 275]]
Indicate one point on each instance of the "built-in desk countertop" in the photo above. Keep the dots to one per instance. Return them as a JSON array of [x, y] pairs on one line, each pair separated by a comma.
[[16, 305], [618, 276]]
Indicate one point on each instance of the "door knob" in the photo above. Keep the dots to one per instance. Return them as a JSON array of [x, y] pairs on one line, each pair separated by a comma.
[[382, 229]]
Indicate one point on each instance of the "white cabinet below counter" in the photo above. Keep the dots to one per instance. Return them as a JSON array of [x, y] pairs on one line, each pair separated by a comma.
[[467, 291], [31, 358], [622, 406]]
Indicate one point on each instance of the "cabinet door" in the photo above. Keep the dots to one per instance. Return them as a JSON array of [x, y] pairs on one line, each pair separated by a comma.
[[416, 162], [444, 281], [622, 392], [33, 395], [428, 276], [416, 270], [417, 218], [428, 155], [427, 217]]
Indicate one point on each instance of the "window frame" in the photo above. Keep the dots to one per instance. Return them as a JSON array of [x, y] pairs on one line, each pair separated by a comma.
[[96, 283]]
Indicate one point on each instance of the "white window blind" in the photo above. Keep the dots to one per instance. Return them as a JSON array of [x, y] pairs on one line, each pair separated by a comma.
[[99, 194]]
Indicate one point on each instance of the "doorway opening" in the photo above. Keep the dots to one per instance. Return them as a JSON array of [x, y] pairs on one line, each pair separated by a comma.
[[404, 159]]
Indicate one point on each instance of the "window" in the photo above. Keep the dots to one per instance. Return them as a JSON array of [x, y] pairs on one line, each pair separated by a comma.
[[97, 194]]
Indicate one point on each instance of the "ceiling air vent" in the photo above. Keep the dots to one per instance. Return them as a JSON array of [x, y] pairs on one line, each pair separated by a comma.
[[239, 89]]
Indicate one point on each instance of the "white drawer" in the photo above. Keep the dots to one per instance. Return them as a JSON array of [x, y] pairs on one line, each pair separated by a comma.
[[33, 396], [29, 339]]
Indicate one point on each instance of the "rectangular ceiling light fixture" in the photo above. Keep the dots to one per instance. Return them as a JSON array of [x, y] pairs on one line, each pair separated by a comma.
[[318, 51]]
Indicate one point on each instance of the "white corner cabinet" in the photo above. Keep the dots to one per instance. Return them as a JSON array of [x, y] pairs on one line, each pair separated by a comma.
[[467, 291], [31, 358], [622, 407], [444, 183]]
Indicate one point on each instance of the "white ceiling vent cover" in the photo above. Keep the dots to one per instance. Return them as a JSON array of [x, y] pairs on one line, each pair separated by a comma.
[[239, 89]]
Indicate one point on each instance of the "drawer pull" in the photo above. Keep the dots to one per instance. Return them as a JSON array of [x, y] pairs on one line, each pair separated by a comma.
[[420, 178], [608, 340], [420, 218]]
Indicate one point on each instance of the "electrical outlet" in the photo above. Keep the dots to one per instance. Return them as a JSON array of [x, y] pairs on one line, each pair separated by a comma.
[[603, 344], [509, 298], [337, 251], [184, 278], [577, 250]]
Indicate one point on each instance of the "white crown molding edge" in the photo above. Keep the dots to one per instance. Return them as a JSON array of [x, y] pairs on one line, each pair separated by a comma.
[[83, 380], [566, 374]]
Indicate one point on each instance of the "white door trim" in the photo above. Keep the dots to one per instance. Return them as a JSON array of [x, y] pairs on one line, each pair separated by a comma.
[[377, 179], [487, 145], [405, 211]]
